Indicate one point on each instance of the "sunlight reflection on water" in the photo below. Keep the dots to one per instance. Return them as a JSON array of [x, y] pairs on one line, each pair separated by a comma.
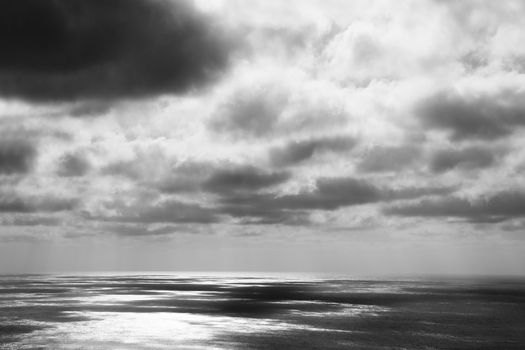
[[131, 330], [225, 312], [150, 331]]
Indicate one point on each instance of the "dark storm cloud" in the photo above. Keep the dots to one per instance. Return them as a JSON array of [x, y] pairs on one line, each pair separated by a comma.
[[73, 165], [479, 117], [498, 207], [465, 158], [105, 49], [383, 159], [299, 151], [16, 156], [246, 178], [168, 211], [13, 203]]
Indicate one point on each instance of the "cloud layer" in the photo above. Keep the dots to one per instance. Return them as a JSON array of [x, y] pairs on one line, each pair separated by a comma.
[[160, 118], [494, 208]]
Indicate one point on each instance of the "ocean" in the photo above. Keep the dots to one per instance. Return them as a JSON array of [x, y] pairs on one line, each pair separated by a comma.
[[220, 311]]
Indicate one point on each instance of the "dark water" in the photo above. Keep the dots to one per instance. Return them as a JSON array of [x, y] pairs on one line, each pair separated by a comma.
[[219, 312]]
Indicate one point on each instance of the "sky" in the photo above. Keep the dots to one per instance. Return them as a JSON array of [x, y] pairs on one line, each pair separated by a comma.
[[353, 137]]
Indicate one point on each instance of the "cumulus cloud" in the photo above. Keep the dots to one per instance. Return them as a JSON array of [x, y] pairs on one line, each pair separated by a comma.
[[464, 158], [389, 158], [277, 106], [332, 193], [193, 177], [464, 117], [11, 202], [164, 211], [139, 164], [244, 178], [251, 113], [329, 194], [73, 165], [185, 178], [258, 209], [16, 156], [106, 49], [298, 151]]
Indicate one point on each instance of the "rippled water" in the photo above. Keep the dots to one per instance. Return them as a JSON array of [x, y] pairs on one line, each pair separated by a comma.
[[220, 312]]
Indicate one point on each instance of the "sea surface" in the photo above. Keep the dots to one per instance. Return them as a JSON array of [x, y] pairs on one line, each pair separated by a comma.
[[183, 311]]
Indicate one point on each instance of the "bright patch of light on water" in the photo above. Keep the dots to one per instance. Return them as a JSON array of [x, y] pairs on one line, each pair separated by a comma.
[[149, 331], [232, 312]]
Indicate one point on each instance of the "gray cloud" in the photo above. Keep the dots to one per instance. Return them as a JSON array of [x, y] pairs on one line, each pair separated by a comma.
[[259, 208], [494, 208], [465, 158], [261, 212], [90, 109], [167, 211], [271, 108], [250, 113], [329, 194], [30, 220], [416, 192], [479, 117], [243, 179], [145, 165], [186, 177], [105, 49], [138, 230], [16, 156], [128, 169], [14, 203], [73, 165], [299, 151], [332, 193], [384, 159]]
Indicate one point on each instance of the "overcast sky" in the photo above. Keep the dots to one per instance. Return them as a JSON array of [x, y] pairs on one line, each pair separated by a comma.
[[359, 137]]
